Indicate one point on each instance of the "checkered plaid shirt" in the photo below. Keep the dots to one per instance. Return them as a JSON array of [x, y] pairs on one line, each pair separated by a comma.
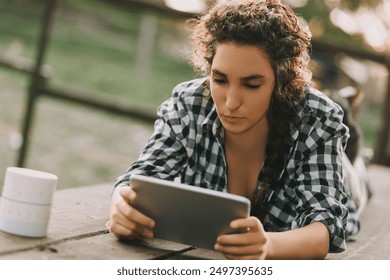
[[188, 143]]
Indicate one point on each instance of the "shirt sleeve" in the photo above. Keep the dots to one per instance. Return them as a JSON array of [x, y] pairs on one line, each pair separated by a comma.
[[319, 190], [164, 155]]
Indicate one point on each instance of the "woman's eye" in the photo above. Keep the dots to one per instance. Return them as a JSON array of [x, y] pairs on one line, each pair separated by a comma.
[[252, 86], [219, 81]]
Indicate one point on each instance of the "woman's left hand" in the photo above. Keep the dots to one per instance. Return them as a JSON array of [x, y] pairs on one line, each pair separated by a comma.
[[251, 244]]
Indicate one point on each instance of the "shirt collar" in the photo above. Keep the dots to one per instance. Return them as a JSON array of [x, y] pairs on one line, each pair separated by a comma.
[[211, 122]]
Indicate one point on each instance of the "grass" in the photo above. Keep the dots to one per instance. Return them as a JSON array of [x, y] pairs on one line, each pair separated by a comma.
[[100, 56], [80, 145], [93, 50]]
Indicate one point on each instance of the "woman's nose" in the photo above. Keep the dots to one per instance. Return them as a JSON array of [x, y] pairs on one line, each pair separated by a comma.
[[233, 100]]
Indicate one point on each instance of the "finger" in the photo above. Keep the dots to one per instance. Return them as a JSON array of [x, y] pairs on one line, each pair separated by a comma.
[[127, 193], [137, 231], [134, 228], [239, 250], [134, 215], [125, 216], [121, 232], [250, 224], [238, 239]]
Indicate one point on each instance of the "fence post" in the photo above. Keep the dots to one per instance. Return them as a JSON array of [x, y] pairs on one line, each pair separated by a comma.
[[36, 78], [381, 152]]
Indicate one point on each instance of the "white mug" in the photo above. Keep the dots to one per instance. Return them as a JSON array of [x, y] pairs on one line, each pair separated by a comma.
[[26, 201]]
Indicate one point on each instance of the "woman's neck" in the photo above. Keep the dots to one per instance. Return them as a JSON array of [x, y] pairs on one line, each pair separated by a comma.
[[251, 141]]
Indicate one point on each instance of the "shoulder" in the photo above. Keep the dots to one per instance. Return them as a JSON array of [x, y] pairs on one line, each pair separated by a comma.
[[319, 104], [187, 108], [188, 98], [318, 119], [317, 109], [189, 89]]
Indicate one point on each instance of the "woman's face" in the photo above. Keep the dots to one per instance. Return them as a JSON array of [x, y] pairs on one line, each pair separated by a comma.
[[241, 84]]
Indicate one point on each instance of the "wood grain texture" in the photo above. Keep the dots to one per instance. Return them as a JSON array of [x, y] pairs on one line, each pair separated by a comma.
[[77, 231], [373, 240]]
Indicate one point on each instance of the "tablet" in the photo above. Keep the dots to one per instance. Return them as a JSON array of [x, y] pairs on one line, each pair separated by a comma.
[[187, 214]]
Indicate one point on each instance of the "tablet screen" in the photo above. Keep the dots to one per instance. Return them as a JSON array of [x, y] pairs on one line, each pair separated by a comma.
[[187, 214]]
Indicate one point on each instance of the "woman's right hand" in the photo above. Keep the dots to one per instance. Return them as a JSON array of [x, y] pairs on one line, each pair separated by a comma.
[[126, 222]]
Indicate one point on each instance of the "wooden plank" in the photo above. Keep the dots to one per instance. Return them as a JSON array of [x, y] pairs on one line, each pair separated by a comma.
[[75, 212], [82, 98], [198, 254], [373, 242], [25, 66], [77, 231], [101, 247]]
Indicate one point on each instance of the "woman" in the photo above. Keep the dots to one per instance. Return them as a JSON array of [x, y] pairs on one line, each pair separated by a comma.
[[253, 127]]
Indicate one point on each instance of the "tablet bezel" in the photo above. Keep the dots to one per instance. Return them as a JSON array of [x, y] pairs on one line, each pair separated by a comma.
[[187, 214]]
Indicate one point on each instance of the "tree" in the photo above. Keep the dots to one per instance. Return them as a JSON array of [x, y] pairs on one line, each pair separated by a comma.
[[356, 23]]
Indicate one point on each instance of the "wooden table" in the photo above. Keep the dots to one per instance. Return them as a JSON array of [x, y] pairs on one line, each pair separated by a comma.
[[77, 231]]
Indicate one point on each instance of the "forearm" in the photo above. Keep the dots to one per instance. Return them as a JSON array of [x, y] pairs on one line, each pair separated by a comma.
[[309, 242]]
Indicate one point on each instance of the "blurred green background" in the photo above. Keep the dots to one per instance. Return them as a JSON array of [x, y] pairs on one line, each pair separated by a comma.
[[95, 49]]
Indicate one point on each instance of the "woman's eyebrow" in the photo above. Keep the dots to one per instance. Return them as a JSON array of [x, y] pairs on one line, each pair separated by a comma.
[[219, 73], [243, 79], [253, 77]]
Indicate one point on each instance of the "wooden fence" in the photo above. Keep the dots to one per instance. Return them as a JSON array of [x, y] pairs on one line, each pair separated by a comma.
[[39, 74]]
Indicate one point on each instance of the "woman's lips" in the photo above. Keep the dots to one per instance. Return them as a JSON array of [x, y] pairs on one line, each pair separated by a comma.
[[230, 118]]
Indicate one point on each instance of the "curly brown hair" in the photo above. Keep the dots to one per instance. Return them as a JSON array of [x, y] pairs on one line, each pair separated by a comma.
[[275, 29]]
